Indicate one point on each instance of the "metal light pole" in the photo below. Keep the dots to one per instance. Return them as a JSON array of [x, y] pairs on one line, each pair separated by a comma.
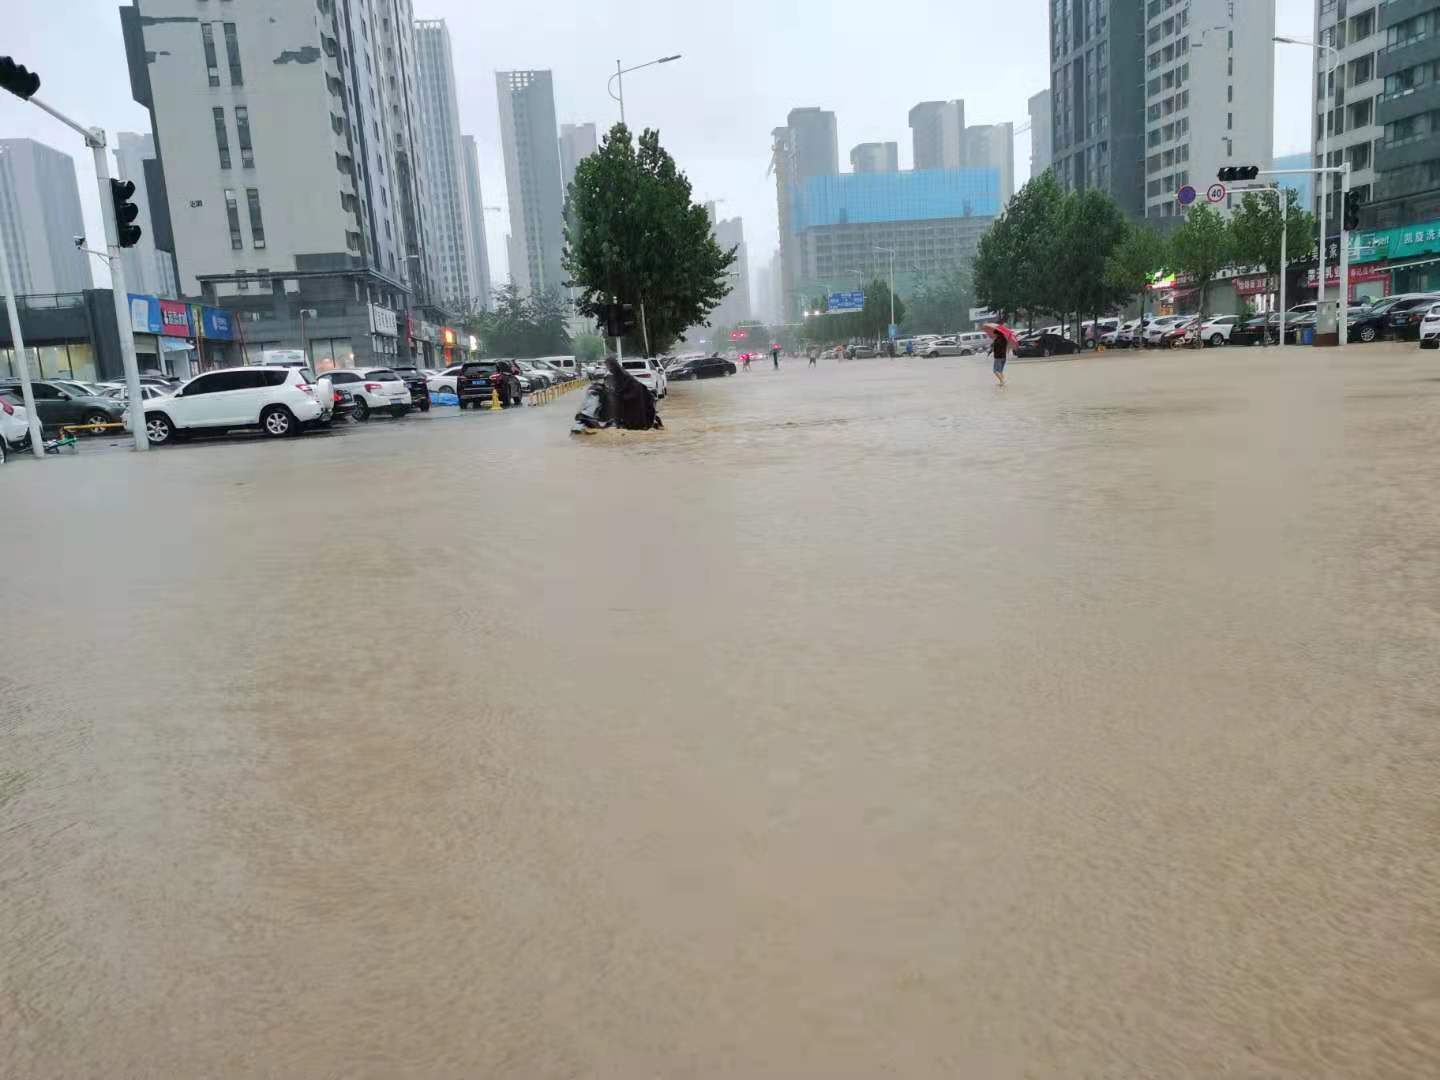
[[619, 78], [891, 253], [1324, 158], [22, 365]]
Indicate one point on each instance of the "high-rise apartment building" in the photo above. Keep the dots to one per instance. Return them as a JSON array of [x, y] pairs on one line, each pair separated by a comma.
[[532, 178], [287, 137], [577, 141], [1209, 93], [808, 145], [730, 233], [40, 213], [457, 274], [475, 200], [992, 146], [1349, 90], [873, 157], [147, 269], [937, 134], [1097, 96], [1041, 133]]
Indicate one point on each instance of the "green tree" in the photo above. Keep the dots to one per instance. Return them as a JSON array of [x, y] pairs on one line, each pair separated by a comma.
[[873, 320], [1015, 268], [1092, 227], [1140, 254], [523, 326], [589, 348], [942, 304], [1201, 247], [633, 235], [1255, 229]]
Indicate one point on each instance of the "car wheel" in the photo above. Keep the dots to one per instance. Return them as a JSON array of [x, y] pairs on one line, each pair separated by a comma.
[[277, 422], [1045, 351], [362, 410], [1216, 340], [158, 429], [1367, 334], [97, 418]]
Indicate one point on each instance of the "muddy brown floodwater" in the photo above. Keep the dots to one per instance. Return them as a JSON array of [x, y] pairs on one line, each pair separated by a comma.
[[867, 722]]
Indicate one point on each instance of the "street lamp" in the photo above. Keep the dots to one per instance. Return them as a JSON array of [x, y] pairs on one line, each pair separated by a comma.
[[620, 72], [1324, 159]]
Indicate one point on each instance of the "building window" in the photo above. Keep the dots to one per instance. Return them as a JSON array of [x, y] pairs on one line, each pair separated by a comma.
[[257, 226], [242, 133], [232, 54], [232, 211], [222, 141], [212, 65]]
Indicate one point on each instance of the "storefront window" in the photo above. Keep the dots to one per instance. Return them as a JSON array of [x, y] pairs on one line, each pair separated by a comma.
[[82, 362], [328, 353]]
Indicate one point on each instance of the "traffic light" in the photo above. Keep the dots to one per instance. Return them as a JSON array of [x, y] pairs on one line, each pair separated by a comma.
[[1238, 172], [125, 212], [18, 79], [619, 320], [1352, 211]]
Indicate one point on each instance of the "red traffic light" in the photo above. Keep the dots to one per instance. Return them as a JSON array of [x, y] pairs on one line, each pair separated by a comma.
[[18, 79]]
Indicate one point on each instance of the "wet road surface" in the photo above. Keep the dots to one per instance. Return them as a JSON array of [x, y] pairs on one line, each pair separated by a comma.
[[869, 721]]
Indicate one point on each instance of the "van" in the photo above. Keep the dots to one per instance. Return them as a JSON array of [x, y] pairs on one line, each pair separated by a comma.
[[975, 341]]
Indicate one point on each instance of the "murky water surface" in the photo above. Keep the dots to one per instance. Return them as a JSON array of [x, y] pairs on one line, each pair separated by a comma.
[[867, 722]]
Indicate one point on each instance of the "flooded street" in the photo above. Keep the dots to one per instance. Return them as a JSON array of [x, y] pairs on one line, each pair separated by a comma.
[[868, 721]]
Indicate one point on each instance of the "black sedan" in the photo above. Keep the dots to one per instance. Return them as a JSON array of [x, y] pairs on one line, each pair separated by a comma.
[[1406, 315], [1256, 331], [1046, 345], [702, 367]]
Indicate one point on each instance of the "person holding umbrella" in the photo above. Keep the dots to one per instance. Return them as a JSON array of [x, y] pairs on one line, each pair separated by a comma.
[[1004, 340]]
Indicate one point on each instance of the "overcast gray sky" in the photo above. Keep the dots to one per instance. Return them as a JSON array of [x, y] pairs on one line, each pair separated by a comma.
[[753, 61]]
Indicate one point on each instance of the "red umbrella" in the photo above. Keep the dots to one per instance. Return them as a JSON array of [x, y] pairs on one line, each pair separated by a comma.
[[1001, 330]]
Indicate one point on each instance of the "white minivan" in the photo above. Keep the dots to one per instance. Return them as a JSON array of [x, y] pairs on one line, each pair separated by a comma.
[[277, 400], [650, 374]]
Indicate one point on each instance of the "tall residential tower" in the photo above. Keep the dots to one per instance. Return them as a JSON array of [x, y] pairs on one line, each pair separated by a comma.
[[532, 178], [40, 213]]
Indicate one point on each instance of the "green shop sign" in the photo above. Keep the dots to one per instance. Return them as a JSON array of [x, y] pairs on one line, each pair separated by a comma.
[[1401, 243]]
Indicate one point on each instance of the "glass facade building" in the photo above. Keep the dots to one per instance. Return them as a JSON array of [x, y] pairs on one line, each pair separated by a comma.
[[864, 198]]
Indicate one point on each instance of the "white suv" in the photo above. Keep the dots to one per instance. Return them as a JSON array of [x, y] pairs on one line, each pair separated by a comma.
[[277, 400], [1216, 331], [650, 374], [372, 389], [1430, 328]]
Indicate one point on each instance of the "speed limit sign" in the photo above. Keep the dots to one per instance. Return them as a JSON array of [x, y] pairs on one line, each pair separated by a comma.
[[1215, 193]]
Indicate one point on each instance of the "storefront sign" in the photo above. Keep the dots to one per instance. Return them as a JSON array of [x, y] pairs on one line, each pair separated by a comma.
[[383, 321], [1400, 243], [1256, 284], [218, 324], [1357, 274], [176, 318], [145, 314]]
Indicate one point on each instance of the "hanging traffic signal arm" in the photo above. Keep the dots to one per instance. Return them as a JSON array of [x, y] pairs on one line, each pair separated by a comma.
[[1230, 173], [18, 79]]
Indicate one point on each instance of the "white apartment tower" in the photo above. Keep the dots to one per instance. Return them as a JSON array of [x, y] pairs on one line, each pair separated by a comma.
[[40, 213], [147, 269], [577, 141], [532, 178], [475, 200], [1209, 93], [288, 138], [456, 261]]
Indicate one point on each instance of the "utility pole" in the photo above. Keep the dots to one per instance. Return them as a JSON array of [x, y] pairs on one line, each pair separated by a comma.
[[22, 365]]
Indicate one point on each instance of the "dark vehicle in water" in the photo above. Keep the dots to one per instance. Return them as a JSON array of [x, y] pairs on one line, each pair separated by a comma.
[[478, 377], [1046, 344], [1408, 313], [701, 367], [414, 380], [56, 405], [1256, 331]]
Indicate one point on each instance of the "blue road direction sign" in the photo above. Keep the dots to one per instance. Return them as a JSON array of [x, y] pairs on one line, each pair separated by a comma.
[[845, 301], [1185, 196], [894, 331]]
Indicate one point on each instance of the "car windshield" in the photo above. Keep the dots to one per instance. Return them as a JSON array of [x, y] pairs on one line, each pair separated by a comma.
[[381, 375], [634, 365]]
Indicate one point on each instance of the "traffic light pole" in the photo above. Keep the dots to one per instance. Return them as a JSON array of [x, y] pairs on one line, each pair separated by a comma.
[[1344, 329], [96, 141], [22, 365]]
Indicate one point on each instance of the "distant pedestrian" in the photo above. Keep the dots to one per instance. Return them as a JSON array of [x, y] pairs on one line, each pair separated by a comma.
[[998, 350], [745, 360], [814, 353], [775, 358]]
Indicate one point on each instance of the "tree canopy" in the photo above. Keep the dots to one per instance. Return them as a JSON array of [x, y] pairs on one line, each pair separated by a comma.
[[941, 304], [522, 325], [1201, 247], [1141, 253], [634, 236], [1255, 231]]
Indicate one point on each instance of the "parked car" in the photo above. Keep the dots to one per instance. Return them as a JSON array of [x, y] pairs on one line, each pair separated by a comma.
[[278, 400], [147, 392], [1046, 344], [56, 406], [560, 374], [478, 377], [540, 377], [1406, 315], [1430, 328], [1296, 326], [1157, 328], [649, 374], [701, 367], [1372, 323], [942, 346], [1254, 331], [371, 390], [444, 382], [14, 422], [863, 352], [415, 381], [160, 382], [1216, 331]]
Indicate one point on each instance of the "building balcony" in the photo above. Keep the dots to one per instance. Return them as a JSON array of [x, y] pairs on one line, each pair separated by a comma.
[[1407, 53], [1408, 103], [1393, 12], [1411, 151]]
